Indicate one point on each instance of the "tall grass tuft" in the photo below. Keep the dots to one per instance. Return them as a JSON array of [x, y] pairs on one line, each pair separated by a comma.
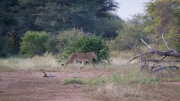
[[74, 80], [35, 63]]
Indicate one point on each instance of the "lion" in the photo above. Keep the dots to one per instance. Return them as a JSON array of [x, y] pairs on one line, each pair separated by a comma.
[[73, 57]]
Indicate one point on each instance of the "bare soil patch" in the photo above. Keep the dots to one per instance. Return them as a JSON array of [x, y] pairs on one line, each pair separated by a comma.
[[172, 83], [23, 85]]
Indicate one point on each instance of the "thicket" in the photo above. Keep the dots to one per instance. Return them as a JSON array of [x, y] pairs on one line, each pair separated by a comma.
[[67, 42], [56, 43], [89, 43], [33, 43]]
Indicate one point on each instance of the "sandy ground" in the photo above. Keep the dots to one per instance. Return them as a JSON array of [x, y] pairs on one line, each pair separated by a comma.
[[24, 85]]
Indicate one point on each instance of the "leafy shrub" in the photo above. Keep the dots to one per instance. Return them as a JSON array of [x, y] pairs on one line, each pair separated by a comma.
[[89, 43], [128, 38], [51, 45], [33, 43], [64, 37], [56, 43]]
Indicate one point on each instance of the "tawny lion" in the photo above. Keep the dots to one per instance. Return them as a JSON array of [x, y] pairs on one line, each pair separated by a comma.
[[81, 57]]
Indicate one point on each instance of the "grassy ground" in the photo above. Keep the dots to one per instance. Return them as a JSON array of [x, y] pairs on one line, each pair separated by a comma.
[[35, 63], [112, 82]]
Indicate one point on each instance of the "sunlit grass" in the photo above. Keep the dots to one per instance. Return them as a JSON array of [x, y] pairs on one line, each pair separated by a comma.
[[125, 75], [35, 63]]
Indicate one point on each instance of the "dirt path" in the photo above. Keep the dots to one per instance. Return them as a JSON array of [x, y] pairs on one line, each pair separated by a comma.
[[32, 86]]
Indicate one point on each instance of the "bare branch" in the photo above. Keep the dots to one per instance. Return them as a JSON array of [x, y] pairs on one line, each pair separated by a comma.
[[165, 40], [164, 67], [160, 61], [146, 44], [137, 56], [157, 62], [157, 52], [164, 54]]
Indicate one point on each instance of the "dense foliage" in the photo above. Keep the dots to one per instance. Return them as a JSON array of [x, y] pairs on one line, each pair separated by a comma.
[[58, 17], [165, 14], [129, 37], [54, 16], [3, 47], [56, 43], [33, 43], [8, 21], [88, 43]]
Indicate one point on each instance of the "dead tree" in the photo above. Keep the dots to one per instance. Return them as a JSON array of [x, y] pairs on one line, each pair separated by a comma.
[[162, 54]]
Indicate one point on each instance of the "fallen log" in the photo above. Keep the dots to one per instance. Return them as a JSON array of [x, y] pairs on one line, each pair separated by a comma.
[[163, 54], [157, 52], [164, 67], [154, 60]]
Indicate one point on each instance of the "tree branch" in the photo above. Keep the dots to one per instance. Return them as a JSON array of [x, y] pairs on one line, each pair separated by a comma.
[[146, 44], [152, 51], [165, 40], [137, 56], [155, 60]]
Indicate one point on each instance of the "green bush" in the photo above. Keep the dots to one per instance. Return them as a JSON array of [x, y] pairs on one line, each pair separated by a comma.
[[74, 80], [51, 45], [87, 44], [56, 43], [128, 38], [33, 43]]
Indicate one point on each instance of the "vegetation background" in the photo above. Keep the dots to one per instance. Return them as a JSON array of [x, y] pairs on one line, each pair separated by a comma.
[[63, 20], [34, 34]]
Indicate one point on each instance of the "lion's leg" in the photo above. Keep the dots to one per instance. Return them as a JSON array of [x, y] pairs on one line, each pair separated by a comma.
[[74, 62], [91, 62], [82, 65]]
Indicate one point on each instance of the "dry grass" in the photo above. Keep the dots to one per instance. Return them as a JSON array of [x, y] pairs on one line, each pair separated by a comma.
[[125, 54], [35, 63], [128, 84], [111, 92], [149, 92]]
